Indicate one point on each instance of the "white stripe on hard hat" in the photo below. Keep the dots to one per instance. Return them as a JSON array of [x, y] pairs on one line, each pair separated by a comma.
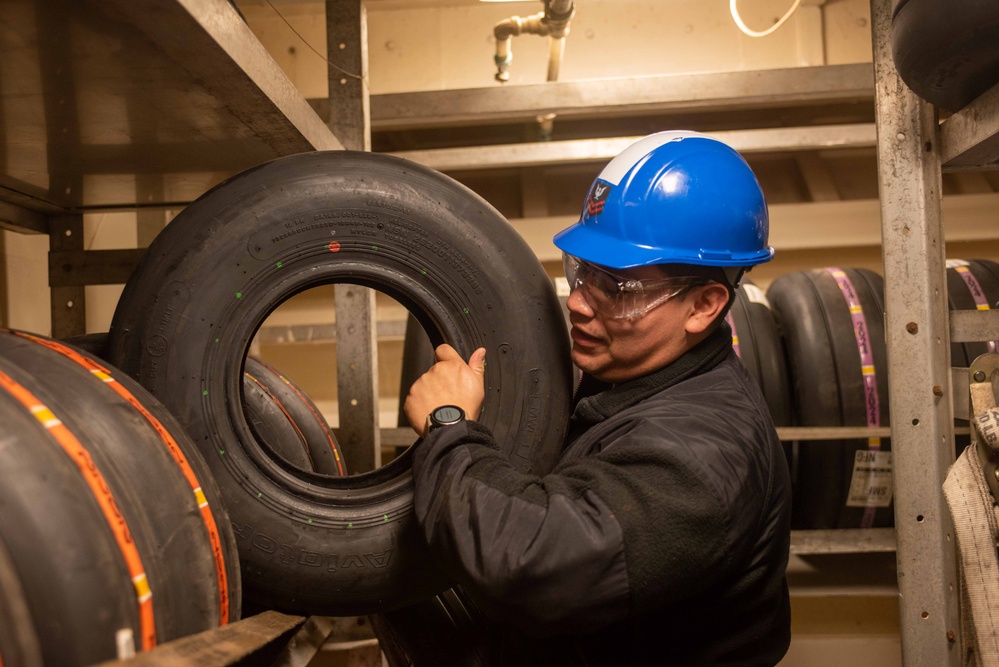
[[622, 164]]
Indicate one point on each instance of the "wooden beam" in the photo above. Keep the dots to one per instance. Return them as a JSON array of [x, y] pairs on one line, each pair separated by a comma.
[[225, 646]]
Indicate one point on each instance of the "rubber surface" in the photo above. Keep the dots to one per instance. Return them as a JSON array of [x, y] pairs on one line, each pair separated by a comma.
[[19, 645], [311, 543], [824, 360], [947, 52], [977, 291], [761, 349], [282, 416], [286, 420], [110, 518]]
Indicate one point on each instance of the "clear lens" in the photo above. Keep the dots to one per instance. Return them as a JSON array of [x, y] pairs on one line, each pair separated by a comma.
[[617, 297]]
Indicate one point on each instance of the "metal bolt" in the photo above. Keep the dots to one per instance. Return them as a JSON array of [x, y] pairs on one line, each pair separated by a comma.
[[912, 327], [937, 390], [979, 376]]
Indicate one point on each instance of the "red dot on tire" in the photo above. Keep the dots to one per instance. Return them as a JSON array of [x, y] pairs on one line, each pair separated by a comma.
[[334, 246]]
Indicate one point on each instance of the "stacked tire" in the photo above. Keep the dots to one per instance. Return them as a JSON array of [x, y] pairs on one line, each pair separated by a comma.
[[832, 322], [311, 542], [756, 339], [113, 535]]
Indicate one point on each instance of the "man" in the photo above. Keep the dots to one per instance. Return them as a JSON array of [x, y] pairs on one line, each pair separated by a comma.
[[661, 537]]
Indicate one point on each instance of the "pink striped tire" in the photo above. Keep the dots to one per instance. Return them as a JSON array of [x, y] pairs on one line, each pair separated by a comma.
[[832, 322]]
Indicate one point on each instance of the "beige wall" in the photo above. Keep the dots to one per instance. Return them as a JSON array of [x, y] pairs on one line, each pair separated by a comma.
[[414, 45]]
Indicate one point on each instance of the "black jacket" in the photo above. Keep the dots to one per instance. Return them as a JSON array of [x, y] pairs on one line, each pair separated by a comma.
[[661, 537]]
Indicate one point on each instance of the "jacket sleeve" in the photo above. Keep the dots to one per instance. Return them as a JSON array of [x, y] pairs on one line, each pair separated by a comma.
[[552, 554]]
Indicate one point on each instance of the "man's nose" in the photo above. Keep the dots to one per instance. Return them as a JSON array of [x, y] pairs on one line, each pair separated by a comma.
[[577, 303]]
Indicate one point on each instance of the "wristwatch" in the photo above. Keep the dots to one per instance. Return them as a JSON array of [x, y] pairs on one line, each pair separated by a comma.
[[445, 415]]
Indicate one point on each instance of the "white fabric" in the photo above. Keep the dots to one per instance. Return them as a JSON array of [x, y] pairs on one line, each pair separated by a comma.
[[976, 526]]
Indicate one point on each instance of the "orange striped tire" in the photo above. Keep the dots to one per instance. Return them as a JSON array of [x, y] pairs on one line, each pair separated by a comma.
[[112, 521], [19, 645], [311, 543], [281, 415]]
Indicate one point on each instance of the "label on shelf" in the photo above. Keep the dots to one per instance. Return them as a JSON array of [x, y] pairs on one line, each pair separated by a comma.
[[871, 484]]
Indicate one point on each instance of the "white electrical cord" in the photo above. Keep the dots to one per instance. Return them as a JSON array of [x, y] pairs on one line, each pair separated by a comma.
[[755, 33]]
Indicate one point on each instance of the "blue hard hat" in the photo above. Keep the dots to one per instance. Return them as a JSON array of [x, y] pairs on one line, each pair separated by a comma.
[[672, 198]]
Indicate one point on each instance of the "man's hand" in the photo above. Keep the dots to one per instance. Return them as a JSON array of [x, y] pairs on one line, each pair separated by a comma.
[[448, 382]]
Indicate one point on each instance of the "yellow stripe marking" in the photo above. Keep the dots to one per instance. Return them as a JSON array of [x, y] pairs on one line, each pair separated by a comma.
[[961, 269], [104, 377], [735, 340], [874, 443], [199, 495], [45, 416], [867, 370], [982, 306], [856, 309], [142, 589]]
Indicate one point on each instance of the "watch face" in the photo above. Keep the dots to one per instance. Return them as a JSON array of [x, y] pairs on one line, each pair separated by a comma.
[[447, 414]]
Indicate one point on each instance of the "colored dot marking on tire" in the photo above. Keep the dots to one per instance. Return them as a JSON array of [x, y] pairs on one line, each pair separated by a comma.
[[333, 246], [222, 452], [260, 495], [216, 340], [204, 393], [350, 525], [239, 295], [423, 272], [465, 310], [385, 517], [310, 520], [279, 265], [374, 247]]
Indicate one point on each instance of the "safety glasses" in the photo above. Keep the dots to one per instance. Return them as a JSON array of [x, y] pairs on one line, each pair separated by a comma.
[[617, 297]]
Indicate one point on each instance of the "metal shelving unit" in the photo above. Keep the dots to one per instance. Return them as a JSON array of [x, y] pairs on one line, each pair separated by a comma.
[[122, 105], [198, 99], [912, 150]]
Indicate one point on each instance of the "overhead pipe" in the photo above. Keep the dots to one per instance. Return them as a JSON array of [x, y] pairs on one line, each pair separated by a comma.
[[553, 22]]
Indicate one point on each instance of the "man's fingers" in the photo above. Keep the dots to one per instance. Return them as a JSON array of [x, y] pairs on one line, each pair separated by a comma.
[[446, 353], [477, 362]]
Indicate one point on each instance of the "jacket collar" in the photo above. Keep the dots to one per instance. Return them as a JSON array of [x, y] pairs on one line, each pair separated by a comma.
[[596, 400]]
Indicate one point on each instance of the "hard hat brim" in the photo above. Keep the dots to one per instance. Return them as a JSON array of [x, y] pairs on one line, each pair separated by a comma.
[[583, 241]]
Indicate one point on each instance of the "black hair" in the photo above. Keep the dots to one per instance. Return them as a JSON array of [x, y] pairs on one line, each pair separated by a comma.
[[717, 274]]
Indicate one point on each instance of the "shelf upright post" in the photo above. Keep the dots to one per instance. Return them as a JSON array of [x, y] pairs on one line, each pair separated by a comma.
[[356, 333], [69, 302], [918, 336]]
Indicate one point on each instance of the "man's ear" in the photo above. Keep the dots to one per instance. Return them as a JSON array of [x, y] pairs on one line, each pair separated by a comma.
[[708, 301]]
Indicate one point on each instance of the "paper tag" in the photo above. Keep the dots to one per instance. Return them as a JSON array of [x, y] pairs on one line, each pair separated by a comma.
[[755, 294], [871, 484]]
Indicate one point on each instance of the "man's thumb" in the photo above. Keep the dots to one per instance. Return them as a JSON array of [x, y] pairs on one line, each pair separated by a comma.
[[477, 362]]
